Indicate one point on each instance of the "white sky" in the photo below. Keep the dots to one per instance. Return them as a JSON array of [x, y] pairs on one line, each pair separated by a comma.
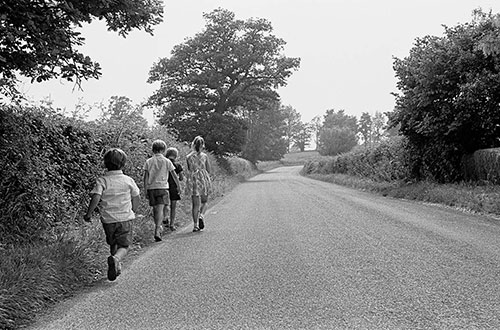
[[346, 49]]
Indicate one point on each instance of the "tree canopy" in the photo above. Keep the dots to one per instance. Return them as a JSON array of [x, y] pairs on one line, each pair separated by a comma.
[[230, 64], [338, 133], [38, 38], [449, 100], [266, 132]]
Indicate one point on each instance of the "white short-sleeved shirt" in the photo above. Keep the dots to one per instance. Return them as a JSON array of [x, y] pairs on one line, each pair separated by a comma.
[[116, 190], [158, 168]]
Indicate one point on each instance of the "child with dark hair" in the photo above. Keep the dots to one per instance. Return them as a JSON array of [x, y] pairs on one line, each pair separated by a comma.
[[117, 197], [198, 181], [157, 170], [174, 191]]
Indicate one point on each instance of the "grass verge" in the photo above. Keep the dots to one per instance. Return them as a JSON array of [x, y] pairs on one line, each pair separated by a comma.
[[471, 197], [33, 278]]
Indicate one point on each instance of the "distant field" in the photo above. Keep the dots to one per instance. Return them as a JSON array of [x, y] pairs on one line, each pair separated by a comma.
[[291, 159], [299, 158]]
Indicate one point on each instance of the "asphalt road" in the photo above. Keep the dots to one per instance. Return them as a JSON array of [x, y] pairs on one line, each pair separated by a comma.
[[285, 252]]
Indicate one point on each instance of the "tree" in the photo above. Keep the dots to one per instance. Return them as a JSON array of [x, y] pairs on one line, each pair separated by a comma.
[[315, 124], [302, 137], [122, 119], [378, 126], [365, 127], [449, 100], [488, 42], [339, 118], [230, 64], [266, 132], [336, 140], [338, 133], [38, 38], [293, 124]]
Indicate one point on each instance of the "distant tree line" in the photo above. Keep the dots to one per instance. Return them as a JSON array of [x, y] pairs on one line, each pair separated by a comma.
[[222, 82]]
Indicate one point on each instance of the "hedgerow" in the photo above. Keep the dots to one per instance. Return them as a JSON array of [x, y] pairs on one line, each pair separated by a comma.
[[48, 166], [386, 161]]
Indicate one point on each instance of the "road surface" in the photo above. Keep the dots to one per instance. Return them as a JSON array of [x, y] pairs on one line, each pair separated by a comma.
[[285, 252]]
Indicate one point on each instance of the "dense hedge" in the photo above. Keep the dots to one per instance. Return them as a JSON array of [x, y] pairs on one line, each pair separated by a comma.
[[387, 161], [46, 165], [50, 162], [482, 165]]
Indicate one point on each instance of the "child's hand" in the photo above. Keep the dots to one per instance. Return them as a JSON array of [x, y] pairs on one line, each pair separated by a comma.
[[87, 218]]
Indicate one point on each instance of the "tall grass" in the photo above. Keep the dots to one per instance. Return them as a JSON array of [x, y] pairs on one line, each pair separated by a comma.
[[384, 169], [34, 277]]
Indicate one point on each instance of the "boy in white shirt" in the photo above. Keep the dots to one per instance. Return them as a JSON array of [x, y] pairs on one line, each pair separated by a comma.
[[157, 169], [117, 197]]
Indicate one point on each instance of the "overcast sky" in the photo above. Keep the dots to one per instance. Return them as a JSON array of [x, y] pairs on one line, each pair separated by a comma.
[[346, 49]]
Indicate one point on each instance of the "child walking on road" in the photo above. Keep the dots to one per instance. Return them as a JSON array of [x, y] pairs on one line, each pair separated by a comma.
[[117, 197], [173, 188], [157, 170], [198, 181]]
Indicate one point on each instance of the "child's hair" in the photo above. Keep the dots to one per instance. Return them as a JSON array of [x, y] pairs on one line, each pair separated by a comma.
[[172, 152], [115, 159], [198, 143], [159, 146]]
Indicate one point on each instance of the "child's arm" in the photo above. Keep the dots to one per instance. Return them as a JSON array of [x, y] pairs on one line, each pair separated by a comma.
[[207, 165], [136, 201], [146, 179], [92, 205], [176, 179]]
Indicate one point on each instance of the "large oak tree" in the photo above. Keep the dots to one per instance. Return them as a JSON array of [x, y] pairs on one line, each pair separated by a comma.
[[230, 64]]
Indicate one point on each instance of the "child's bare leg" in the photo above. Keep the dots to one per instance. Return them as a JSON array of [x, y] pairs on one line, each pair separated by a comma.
[[166, 211], [173, 207], [121, 252], [112, 249], [158, 218], [196, 209], [203, 206]]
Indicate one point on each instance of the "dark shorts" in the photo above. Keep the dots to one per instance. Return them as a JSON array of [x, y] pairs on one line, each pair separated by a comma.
[[118, 233], [158, 197], [204, 198], [173, 194]]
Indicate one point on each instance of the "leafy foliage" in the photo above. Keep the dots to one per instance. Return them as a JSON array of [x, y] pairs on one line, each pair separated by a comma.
[[47, 164], [230, 64], [336, 140], [38, 38], [365, 127], [386, 161], [302, 138], [449, 103], [338, 133], [292, 124], [266, 132], [315, 124]]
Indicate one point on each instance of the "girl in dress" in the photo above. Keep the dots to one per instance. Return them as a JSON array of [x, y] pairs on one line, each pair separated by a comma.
[[198, 181]]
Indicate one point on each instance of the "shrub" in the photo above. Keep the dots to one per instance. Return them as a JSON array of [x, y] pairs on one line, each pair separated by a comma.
[[386, 161], [47, 164], [483, 165]]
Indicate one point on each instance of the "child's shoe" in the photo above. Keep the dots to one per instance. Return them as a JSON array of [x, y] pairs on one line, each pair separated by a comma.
[[201, 224], [113, 265]]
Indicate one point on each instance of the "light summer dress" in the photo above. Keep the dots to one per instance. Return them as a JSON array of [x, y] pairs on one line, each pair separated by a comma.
[[198, 181]]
